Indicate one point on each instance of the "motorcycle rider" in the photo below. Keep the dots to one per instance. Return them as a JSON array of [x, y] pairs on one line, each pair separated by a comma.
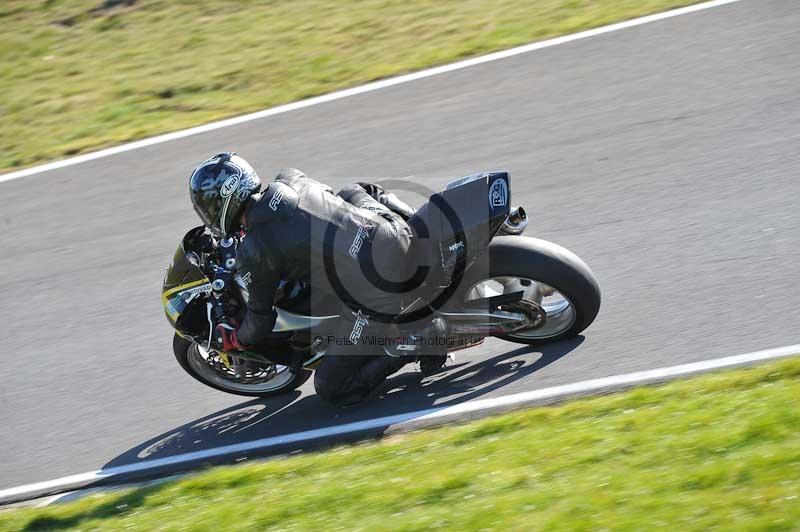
[[297, 230]]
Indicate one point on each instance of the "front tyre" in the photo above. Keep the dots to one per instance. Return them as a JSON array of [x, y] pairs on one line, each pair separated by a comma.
[[552, 277], [253, 380]]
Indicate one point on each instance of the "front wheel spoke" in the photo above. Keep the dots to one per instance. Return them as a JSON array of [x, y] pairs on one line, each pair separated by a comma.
[[236, 369]]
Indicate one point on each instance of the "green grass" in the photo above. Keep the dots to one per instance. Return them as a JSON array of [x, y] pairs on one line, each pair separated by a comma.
[[720, 451], [77, 75]]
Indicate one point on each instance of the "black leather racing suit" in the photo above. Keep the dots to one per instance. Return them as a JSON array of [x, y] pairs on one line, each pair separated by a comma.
[[290, 229]]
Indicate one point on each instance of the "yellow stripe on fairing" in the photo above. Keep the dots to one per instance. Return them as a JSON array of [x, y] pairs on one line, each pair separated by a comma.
[[165, 295]]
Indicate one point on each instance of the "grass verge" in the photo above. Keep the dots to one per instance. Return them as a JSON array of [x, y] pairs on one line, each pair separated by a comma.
[[718, 451], [82, 74]]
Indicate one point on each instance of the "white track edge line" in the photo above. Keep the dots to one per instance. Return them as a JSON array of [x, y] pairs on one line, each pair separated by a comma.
[[517, 399], [361, 89]]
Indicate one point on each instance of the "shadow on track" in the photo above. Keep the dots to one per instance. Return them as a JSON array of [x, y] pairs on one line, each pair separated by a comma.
[[406, 392]]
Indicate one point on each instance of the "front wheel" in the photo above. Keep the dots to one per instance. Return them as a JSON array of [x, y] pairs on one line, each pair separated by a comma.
[[553, 278], [252, 379]]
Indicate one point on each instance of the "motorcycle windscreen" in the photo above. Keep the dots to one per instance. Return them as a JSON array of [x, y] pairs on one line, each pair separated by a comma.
[[184, 283]]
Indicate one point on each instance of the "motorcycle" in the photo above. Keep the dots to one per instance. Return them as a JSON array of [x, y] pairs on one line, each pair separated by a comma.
[[482, 278]]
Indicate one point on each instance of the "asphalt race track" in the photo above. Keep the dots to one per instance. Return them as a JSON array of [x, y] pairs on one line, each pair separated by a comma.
[[666, 155]]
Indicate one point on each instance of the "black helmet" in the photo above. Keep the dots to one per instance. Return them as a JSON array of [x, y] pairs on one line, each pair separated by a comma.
[[219, 188]]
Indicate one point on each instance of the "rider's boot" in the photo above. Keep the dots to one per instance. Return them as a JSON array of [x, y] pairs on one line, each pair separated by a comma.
[[432, 354]]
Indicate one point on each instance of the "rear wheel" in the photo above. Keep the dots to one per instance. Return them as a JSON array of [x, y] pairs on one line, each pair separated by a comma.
[[561, 294], [254, 379]]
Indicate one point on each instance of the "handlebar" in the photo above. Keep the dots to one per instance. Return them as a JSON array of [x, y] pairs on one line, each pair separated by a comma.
[[220, 267]]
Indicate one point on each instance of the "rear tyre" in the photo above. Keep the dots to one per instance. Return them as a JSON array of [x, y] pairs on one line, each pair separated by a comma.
[[192, 360], [515, 262]]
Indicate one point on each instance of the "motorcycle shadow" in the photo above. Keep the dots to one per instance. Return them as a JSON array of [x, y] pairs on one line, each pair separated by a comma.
[[296, 412]]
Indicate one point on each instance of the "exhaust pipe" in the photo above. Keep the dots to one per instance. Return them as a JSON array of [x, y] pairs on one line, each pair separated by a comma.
[[516, 222]]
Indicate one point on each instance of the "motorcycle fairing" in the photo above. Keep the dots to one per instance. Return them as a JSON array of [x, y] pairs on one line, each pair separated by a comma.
[[177, 299], [184, 282], [455, 226], [186, 288]]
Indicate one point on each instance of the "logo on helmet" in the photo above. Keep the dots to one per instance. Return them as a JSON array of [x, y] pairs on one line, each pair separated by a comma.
[[247, 186], [229, 186]]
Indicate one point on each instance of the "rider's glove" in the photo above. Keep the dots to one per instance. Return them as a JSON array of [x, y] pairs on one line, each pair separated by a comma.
[[226, 338], [376, 191]]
